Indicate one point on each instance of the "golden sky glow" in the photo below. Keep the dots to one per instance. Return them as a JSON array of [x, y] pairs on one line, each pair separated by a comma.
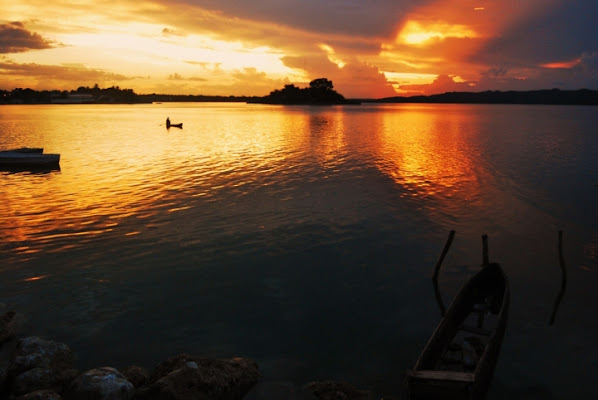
[[238, 48], [417, 33]]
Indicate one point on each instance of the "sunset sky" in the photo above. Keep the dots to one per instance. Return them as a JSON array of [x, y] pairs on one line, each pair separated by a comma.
[[373, 49]]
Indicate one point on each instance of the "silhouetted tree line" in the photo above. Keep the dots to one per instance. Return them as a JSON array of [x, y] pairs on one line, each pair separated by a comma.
[[149, 98], [95, 94], [320, 91], [553, 96], [26, 96]]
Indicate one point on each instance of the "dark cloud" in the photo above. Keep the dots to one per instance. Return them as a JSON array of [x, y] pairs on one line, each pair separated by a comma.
[[359, 17], [14, 38], [561, 33], [584, 75]]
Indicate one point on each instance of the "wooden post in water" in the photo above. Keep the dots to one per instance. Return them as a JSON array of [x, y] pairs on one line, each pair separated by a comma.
[[437, 271], [485, 249]]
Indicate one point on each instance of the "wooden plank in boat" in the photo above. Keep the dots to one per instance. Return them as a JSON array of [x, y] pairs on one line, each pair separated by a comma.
[[443, 375], [474, 329]]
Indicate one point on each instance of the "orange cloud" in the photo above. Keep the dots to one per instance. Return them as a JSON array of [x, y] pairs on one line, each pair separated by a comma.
[[562, 64], [355, 79], [417, 33], [445, 38], [210, 47]]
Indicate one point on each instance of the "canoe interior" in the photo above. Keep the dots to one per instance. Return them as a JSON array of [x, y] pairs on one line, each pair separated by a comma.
[[461, 355]]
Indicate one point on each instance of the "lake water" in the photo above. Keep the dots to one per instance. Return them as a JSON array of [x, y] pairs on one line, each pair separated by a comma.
[[304, 238]]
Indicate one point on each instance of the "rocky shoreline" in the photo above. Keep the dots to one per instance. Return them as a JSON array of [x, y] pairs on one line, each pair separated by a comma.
[[33, 368]]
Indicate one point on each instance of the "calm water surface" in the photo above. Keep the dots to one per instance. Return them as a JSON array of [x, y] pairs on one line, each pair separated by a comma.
[[303, 237]]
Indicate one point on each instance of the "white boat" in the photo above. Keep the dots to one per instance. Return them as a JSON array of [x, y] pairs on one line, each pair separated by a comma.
[[28, 157]]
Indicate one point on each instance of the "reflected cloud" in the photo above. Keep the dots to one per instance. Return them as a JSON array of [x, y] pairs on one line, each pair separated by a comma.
[[35, 278], [327, 137], [424, 152]]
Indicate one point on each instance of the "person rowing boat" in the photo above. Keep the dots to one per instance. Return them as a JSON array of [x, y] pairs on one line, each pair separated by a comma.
[[169, 124]]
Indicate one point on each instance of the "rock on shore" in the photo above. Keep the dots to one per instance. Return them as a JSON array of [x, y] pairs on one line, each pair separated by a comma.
[[32, 368]]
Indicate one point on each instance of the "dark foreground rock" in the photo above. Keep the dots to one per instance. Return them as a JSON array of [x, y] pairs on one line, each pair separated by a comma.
[[39, 364], [138, 376], [186, 377], [39, 369], [104, 383]]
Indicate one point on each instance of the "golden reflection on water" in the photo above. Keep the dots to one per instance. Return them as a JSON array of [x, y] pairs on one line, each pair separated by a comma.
[[121, 164], [327, 135], [426, 152], [138, 208], [35, 278], [123, 174]]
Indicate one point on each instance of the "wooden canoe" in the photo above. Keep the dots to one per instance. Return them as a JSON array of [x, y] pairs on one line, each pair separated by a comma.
[[459, 359], [26, 157]]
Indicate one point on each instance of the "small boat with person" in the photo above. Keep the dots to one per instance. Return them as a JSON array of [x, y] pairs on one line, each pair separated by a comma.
[[171, 125], [459, 359], [28, 157]]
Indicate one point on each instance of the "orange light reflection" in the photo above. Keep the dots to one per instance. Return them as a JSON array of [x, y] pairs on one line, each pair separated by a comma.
[[429, 157], [35, 278]]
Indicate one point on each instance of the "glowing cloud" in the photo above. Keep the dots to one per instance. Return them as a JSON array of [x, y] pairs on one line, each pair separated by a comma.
[[400, 78], [562, 64], [417, 33], [238, 48], [331, 55]]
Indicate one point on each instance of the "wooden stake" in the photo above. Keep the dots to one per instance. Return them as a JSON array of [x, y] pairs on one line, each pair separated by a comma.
[[485, 249], [445, 250], [437, 271]]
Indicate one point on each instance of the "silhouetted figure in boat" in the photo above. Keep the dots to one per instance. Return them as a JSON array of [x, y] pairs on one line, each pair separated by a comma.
[[168, 124]]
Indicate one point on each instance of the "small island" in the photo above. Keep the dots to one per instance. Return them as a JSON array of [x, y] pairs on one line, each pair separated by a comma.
[[320, 92]]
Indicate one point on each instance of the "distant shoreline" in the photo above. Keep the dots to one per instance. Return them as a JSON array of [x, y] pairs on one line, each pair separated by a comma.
[[539, 97], [546, 97]]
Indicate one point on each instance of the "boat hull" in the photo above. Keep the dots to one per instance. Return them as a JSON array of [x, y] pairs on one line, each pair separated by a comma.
[[26, 159], [433, 376]]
